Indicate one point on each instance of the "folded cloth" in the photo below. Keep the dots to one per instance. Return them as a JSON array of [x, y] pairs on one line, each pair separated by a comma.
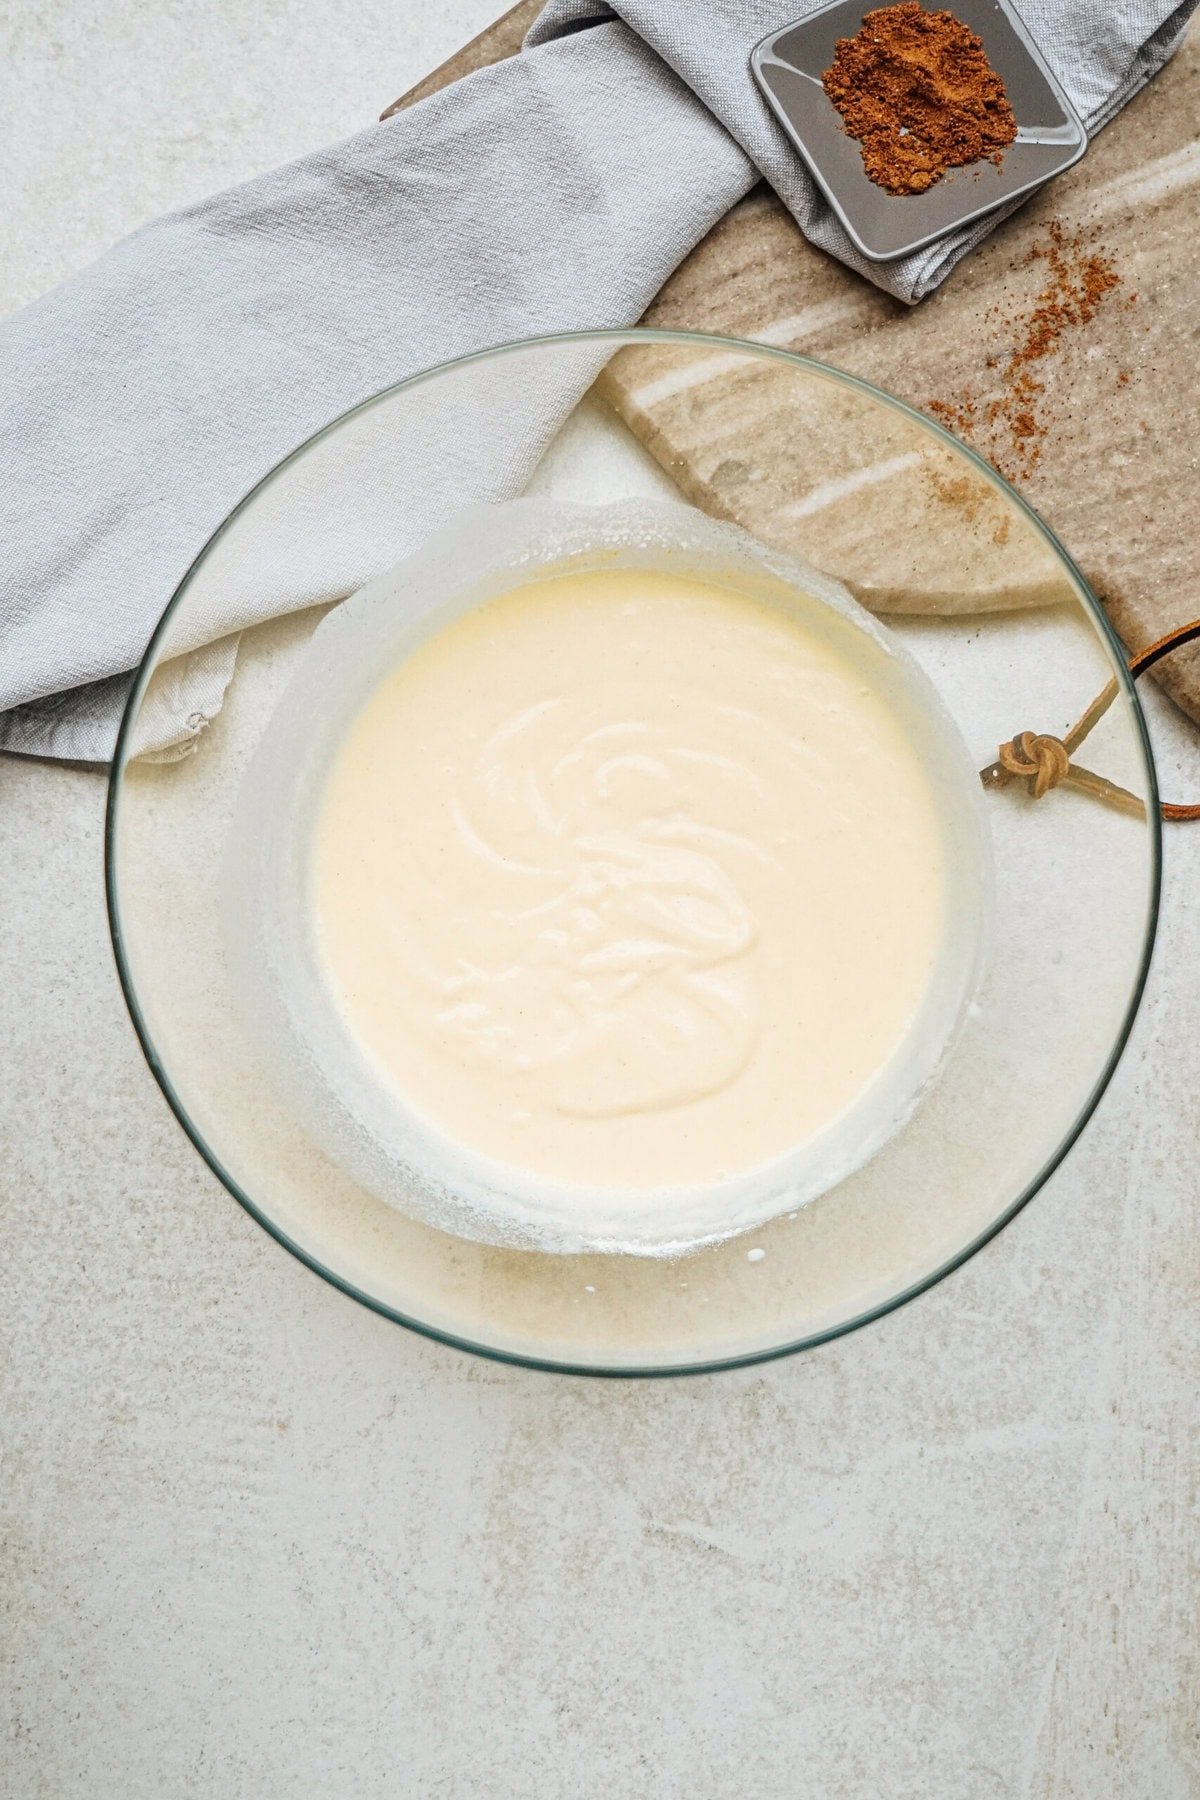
[[556, 191]]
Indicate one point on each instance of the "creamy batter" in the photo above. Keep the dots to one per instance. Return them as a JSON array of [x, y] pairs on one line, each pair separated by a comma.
[[629, 880]]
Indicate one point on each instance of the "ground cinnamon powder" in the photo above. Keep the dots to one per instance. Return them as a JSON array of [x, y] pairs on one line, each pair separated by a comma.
[[1009, 423], [918, 92]]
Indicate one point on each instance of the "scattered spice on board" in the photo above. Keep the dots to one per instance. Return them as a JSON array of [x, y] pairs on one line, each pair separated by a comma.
[[971, 497], [1008, 426], [962, 492], [917, 91]]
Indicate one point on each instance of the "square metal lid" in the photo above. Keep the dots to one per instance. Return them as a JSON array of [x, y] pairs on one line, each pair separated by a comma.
[[788, 66]]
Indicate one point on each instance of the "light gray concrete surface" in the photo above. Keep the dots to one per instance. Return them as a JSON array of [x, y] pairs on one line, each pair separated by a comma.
[[260, 1542]]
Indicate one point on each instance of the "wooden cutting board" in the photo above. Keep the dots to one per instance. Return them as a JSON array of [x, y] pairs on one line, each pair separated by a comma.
[[1120, 402]]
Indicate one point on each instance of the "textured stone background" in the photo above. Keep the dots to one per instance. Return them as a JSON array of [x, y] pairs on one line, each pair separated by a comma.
[[259, 1542]]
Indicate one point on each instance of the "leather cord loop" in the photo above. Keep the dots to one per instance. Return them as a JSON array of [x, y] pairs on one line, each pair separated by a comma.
[[1146, 659], [1044, 762]]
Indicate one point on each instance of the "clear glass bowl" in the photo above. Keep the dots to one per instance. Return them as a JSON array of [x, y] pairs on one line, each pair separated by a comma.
[[923, 533]]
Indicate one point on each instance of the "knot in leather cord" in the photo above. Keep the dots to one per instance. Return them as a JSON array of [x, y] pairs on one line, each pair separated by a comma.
[[1044, 762], [1040, 758]]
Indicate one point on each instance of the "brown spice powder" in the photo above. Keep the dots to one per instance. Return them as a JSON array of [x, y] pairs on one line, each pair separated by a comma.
[[1010, 426], [961, 492], [918, 92], [969, 497]]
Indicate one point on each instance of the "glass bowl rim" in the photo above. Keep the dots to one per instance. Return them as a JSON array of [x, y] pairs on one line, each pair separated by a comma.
[[629, 335]]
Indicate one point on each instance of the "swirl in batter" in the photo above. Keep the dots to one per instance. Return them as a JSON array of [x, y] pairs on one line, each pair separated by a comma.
[[630, 880]]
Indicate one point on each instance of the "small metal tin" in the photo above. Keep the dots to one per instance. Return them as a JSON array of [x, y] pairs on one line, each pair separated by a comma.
[[788, 66]]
